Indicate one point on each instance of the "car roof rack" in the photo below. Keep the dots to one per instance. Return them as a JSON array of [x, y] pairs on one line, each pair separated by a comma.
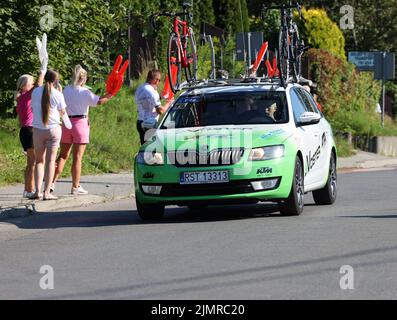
[[211, 83], [247, 81]]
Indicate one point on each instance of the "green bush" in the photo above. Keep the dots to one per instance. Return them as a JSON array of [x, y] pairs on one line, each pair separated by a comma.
[[344, 148], [348, 97], [391, 90], [319, 31]]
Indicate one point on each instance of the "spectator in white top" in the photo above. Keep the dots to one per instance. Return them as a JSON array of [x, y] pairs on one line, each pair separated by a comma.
[[148, 102], [79, 99], [48, 105]]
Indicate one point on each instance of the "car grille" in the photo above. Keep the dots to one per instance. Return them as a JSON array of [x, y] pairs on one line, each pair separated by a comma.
[[232, 187], [217, 157]]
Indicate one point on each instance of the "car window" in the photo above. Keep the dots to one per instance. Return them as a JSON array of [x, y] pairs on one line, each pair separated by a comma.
[[234, 108], [308, 100], [298, 105]]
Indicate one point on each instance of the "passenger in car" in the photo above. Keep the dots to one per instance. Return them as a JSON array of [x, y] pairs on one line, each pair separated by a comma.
[[271, 110]]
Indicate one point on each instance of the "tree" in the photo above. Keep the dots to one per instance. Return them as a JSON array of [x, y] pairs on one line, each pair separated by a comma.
[[76, 34], [374, 23], [232, 15], [204, 12], [319, 31], [269, 24]]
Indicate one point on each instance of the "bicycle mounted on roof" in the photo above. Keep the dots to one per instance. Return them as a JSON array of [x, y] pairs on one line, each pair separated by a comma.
[[290, 46], [182, 52]]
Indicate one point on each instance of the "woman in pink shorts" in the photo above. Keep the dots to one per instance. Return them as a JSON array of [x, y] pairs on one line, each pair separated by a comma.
[[78, 99]]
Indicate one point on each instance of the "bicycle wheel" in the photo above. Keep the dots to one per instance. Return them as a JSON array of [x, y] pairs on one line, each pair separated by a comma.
[[191, 57], [296, 54], [283, 58], [174, 62]]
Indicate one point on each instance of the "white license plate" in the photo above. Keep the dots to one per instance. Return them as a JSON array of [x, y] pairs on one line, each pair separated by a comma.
[[201, 177]]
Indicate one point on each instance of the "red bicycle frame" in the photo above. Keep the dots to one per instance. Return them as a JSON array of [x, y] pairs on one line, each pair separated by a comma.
[[177, 24], [181, 52]]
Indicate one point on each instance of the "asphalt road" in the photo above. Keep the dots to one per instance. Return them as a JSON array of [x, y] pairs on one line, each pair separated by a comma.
[[238, 252]]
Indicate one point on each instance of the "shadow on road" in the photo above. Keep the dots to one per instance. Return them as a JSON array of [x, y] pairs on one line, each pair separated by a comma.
[[389, 216], [237, 277], [92, 219]]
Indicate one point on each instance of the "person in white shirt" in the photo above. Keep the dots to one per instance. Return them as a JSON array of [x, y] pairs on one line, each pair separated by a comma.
[[148, 102], [79, 100], [48, 105]]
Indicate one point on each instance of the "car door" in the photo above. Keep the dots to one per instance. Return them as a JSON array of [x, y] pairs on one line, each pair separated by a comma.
[[322, 132], [309, 136]]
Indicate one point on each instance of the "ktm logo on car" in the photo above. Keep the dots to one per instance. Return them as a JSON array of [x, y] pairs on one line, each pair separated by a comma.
[[265, 170], [148, 175]]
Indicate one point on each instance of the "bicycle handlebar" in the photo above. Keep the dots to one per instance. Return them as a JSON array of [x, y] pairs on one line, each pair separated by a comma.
[[284, 7]]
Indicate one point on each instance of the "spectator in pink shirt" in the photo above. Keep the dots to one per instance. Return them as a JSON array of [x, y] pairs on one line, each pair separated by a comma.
[[23, 96]]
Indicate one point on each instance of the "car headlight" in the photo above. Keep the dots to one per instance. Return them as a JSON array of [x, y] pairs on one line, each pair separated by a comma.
[[150, 158], [266, 153]]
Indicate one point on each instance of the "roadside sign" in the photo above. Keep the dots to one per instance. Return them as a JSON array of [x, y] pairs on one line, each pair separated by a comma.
[[385, 66], [378, 62], [381, 63], [248, 45], [364, 61]]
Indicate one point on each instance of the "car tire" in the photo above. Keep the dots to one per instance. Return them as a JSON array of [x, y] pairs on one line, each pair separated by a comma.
[[197, 208], [150, 212], [327, 195], [293, 205]]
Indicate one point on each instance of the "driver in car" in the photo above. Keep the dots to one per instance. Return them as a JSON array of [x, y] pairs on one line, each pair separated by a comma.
[[271, 110]]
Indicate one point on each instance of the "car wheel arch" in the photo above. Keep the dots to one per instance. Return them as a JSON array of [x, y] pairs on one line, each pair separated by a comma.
[[300, 155], [333, 150]]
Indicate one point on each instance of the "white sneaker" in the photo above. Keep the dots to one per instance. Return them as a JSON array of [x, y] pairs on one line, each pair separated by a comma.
[[28, 195], [79, 191], [52, 187], [35, 196]]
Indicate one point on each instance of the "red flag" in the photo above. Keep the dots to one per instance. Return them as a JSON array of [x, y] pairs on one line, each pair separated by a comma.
[[260, 56], [116, 77], [167, 92], [272, 70]]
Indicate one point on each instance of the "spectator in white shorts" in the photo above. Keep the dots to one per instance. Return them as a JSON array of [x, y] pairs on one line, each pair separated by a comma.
[[48, 105]]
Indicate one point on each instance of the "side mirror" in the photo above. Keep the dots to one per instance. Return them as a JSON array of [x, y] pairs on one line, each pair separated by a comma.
[[308, 118]]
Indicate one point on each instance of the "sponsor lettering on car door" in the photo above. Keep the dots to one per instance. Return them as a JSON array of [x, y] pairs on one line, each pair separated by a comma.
[[309, 137], [322, 132]]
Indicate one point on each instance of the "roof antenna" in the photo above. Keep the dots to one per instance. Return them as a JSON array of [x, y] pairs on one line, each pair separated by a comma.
[[242, 29]]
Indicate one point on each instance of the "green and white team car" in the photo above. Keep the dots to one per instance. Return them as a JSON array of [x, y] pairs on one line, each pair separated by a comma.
[[237, 142]]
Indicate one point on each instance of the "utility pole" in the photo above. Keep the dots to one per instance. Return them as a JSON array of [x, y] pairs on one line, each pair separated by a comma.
[[383, 87], [249, 49], [129, 48]]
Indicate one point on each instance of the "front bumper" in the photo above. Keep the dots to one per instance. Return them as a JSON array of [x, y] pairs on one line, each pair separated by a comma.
[[238, 189]]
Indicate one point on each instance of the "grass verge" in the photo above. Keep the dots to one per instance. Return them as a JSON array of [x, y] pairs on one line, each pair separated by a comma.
[[345, 149]]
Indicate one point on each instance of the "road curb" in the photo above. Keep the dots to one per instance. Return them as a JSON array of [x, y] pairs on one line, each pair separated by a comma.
[[368, 164], [67, 202]]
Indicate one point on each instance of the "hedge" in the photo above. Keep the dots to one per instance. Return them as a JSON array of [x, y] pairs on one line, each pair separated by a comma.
[[348, 97]]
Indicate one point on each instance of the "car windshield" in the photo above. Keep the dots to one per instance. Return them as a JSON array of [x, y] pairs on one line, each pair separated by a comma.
[[236, 108]]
